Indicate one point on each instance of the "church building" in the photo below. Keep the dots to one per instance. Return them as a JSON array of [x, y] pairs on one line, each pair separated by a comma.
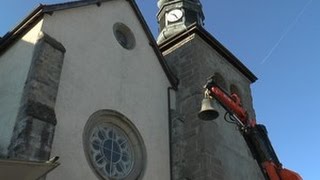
[[87, 93]]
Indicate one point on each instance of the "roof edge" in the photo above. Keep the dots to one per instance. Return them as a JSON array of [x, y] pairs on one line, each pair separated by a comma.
[[172, 78], [214, 43], [71, 4], [35, 15], [21, 28]]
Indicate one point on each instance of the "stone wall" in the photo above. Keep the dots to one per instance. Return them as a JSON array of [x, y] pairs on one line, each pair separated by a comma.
[[207, 150], [36, 120]]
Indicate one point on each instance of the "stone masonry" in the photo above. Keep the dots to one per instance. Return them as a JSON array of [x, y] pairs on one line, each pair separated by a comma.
[[36, 120], [206, 150]]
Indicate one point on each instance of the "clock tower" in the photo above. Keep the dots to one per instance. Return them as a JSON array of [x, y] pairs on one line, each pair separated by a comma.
[[175, 16]]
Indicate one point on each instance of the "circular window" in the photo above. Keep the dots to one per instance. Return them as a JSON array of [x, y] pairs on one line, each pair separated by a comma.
[[113, 146], [124, 35]]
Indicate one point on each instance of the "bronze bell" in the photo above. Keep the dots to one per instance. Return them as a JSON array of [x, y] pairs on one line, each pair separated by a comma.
[[207, 112]]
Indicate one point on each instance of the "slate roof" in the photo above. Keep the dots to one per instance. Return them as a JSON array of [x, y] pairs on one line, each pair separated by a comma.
[[214, 43]]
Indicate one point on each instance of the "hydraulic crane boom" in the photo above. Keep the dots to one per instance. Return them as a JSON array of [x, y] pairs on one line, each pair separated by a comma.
[[254, 134]]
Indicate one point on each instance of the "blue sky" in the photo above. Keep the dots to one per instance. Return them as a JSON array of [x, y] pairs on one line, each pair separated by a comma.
[[277, 40]]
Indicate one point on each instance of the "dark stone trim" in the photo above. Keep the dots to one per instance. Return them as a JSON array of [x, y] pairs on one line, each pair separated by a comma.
[[35, 124], [40, 111], [54, 43], [72, 4], [32, 140]]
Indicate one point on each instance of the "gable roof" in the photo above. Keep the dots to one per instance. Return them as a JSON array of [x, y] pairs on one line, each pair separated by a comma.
[[214, 43], [35, 16]]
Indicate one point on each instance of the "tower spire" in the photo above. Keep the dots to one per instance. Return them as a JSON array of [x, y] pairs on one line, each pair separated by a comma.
[[175, 16]]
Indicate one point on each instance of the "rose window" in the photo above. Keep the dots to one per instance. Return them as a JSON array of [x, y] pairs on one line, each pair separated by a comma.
[[111, 151]]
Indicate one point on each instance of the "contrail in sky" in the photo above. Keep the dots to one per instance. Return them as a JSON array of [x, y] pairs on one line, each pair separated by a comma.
[[286, 32]]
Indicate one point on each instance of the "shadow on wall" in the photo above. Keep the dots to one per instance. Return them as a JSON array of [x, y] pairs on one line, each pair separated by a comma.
[[14, 67], [2, 156]]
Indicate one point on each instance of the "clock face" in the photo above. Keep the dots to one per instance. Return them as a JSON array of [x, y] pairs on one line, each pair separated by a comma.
[[174, 15]]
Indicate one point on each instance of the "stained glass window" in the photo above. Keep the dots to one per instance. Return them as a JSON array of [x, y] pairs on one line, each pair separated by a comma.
[[111, 151], [113, 146]]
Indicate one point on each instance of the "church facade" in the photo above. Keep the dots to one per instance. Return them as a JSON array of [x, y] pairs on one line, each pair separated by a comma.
[[87, 82]]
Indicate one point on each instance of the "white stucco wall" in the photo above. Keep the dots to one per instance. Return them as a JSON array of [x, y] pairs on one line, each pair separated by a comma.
[[99, 74], [14, 67]]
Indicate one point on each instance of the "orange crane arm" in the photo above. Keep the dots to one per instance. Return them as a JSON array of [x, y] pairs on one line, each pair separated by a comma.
[[254, 134]]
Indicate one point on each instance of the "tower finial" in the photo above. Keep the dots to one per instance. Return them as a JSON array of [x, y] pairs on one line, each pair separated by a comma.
[[175, 16]]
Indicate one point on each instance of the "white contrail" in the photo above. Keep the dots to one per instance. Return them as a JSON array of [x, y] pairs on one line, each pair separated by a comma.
[[286, 32]]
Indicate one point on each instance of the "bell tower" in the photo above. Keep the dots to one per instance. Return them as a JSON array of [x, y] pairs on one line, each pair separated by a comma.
[[202, 150], [175, 16]]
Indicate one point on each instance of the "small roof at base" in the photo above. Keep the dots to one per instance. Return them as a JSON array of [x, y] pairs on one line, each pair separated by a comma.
[[24, 170]]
